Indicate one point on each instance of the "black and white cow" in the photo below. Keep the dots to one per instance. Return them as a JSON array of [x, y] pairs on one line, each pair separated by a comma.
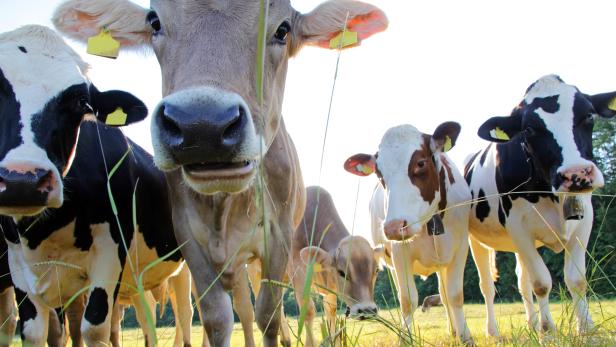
[[56, 181], [543, 156]]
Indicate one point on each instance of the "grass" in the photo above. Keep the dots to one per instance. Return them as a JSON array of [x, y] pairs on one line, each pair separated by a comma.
[[431, 329]]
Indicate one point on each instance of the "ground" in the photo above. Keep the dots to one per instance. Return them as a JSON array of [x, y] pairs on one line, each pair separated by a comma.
[[432, 329]]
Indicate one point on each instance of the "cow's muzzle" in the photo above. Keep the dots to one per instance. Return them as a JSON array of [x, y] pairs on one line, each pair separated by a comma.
[[27, 191], [210, 134], [363, 311], [578, 179]]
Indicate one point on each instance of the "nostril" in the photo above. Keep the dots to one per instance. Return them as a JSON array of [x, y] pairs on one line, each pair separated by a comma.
[[45, 183], [232, 133], [169, 125]]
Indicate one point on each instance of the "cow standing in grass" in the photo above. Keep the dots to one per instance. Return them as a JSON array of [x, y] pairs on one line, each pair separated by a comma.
[[231, 165], [420, 206], [522, 184], [90, 207], [344, 265]]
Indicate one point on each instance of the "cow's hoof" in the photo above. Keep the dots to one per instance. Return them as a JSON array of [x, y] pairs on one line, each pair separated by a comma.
[[285, 343]]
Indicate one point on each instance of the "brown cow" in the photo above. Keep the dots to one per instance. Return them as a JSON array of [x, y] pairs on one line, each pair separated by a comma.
[[231, 166], [344, 264]]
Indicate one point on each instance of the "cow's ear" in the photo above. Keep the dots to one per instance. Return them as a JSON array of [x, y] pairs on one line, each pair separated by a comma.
[[445, 136], [361, 164], [326, 22], [322, 259], [125, 21], [501, 129], [604, 104], [116, 107]]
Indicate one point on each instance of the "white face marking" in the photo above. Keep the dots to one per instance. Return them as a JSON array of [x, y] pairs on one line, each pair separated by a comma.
[[560, 124], [404, 200], [49, 67]]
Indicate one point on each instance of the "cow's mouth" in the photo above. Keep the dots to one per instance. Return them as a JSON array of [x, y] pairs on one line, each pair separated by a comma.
[[220, 171]]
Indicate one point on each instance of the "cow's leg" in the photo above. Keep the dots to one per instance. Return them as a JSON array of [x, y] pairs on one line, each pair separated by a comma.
[[140, 312], [182, 308], [575, 268], [274, 263], [481, 256], [298, 278], [206, 341], [33, 320], [453, 283], [104, 281], [526, 291], [116, 324], [407, 292], [216, 308], [539, 274], [74, 312], [56, 336], [8, 316], [243, 306]]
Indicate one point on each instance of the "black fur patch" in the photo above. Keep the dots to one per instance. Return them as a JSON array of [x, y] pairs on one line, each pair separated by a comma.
[[483, 208], [97, 308], [10, 122], [23, 49]]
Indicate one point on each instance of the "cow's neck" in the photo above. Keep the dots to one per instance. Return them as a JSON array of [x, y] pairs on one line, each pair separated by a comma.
[[515, 172]]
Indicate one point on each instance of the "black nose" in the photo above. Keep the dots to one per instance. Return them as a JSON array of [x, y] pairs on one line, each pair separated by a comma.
[[19, 189], [196, 131]]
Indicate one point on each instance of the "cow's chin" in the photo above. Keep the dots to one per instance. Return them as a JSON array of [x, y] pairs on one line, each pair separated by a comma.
[[220, 177]]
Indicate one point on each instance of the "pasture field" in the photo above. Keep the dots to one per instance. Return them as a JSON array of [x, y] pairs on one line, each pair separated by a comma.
[[431, 328]]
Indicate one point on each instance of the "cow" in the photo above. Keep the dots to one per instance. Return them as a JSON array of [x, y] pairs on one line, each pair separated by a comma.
[[542, 160], [344, 265], [91, 209], [218, 134], [419, 208], [431, 301]]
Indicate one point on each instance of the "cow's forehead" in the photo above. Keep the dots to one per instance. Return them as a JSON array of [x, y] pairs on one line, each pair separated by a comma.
[[397, 146], [548, 86], [38, 65], [231, 9]]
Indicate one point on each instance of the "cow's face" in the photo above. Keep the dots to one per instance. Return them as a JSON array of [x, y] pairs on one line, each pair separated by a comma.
[[355, 264], [44, 95], [409, 167], [212, 124], [555, 122]]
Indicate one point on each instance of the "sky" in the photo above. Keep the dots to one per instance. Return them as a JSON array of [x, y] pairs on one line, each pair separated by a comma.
[[442, 60]]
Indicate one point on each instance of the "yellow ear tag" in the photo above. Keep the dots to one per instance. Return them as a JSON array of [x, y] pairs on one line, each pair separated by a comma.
[[117, 117], [499, 134], [349, 38], [612, 104], [317, 267], [103, 45], [366, 170], [447, 146]]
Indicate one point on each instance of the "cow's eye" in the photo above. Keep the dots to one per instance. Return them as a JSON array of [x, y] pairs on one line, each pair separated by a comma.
[[422, 163], [84, 105], [154, 21], [282, 33], [341, 273], [528, 132]]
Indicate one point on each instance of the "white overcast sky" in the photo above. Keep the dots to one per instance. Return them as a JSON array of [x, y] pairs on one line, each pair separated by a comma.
[[439, 61]]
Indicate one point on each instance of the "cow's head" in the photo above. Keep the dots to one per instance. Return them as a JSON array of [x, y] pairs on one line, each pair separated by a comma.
[[555, 122], [44, 96], [355, 264], [211, 123], [409, 166]]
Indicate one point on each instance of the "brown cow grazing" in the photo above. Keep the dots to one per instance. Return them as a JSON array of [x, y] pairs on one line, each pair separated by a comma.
[[344, 264], [231, 166], [430, 301]]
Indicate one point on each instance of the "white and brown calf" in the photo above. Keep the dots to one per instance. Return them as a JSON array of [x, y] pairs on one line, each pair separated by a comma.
[[418, 206], [345, 266], [542, 161]]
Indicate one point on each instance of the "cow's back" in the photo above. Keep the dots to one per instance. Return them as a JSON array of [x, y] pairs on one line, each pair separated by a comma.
[[327, 229]]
